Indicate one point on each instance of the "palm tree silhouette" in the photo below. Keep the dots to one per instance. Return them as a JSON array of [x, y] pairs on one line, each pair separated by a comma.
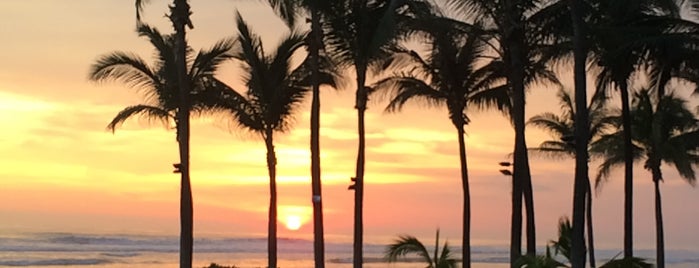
[[159, 81], [616, 24], [275, 88], [664, 130], [451, 76], [358, 33], [180, 17], [287, 9], [161, 86], [406, 244], [516, 39], [562, 128]]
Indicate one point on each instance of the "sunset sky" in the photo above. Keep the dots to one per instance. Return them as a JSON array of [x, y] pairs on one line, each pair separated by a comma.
[[62, 171]]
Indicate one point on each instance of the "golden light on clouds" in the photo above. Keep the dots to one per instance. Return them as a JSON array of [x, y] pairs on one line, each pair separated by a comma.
[[56, 153]]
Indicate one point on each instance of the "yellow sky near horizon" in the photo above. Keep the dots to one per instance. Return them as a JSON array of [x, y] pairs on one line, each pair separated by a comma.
[[62, 170]]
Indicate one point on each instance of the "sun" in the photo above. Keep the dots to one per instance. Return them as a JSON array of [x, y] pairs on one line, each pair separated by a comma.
[[293, 222]]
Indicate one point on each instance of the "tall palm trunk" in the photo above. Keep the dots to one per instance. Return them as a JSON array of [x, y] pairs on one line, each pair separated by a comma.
[[466, 232], [516, 49], [361, 102], [656, 135], [272, 223], [659, 233], [628, 171], [582, 181], [513, 36], [318, 240], [179, 15], [590, 233]]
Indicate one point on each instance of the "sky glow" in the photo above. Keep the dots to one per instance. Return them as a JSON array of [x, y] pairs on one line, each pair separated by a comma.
[[62, 170]]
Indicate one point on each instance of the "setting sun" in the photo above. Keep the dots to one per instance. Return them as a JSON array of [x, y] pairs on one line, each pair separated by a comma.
[[293, 222], [294, 217]]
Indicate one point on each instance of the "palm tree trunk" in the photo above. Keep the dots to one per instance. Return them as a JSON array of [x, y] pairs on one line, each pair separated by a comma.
[[659, 233], [466, 232], [590, 236], [179, 15], [657, 175], [318, 240], [628, 171], [436, 251], [529, 204], [361, 102], [272, 223], [513, 40], [582, 180]]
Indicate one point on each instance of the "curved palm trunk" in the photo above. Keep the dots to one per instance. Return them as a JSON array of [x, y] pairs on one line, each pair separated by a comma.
[[180, 17], [318, 240], [466, 232], [582, 180], [361, 101], [272, 223], [590, 236], [628, 171]]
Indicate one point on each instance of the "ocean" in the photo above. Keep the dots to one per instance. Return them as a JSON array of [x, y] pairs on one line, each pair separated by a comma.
[[42, 250]]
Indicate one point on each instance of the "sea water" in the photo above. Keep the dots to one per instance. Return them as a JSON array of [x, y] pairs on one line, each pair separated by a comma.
[[120, 251]]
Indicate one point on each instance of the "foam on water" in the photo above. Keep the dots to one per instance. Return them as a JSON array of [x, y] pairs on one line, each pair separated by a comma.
[[111, 251]]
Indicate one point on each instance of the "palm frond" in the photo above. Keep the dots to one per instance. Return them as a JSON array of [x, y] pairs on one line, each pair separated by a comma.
[[554, 149], [402, 89], [163, 44], [139, 8], [248, 50], [630, 262], [555, 125], [497, 97], [407, 245], [446, 260], [244, 113], [126, 68], [207, 61], [286, 9], [147, 111]]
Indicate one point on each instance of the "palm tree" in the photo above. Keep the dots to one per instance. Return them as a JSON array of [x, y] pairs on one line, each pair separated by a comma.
[[615, 25], [160, 83], [562, 247], [287, 9], [609, 28], [627, 262], [515, 40], [358, 33], [406, 244], [539, 261], [450, 76], [274, 90], [667, 132], [582, 138], [180, 16], [562, 127]]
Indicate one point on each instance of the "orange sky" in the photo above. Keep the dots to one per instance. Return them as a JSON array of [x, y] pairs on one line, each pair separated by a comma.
[[62, 171]]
